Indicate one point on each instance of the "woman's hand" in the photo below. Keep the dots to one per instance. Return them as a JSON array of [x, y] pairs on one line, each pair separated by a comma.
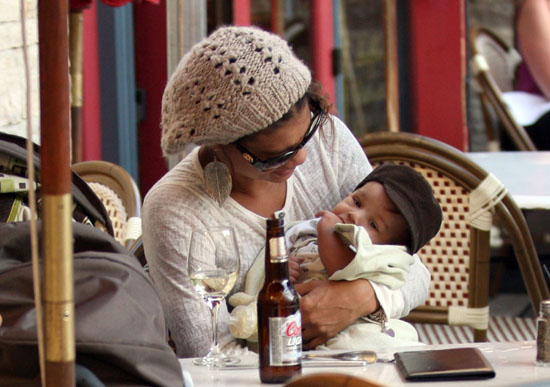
[[294, 268], [328, 307]]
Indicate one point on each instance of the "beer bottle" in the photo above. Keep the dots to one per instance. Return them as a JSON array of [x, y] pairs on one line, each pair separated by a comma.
[[279, 319]]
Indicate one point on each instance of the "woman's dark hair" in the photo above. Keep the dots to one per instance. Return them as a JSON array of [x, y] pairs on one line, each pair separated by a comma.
[[315, 96]]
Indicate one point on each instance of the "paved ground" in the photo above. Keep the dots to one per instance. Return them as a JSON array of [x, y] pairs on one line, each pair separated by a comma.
[[511, 304]]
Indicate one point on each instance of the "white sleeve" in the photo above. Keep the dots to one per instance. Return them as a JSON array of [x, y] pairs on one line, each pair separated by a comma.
[[165, 243], [172, 208], [398, 303]]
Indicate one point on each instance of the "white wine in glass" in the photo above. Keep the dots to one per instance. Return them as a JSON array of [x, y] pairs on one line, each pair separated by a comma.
[[213, 283], [213, 267]]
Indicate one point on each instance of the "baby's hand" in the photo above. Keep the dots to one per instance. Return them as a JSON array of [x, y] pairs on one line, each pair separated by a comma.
[[294, 267], [327, 222]]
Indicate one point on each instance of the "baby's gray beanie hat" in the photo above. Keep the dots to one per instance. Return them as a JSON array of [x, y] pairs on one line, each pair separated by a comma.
[[233, 83]]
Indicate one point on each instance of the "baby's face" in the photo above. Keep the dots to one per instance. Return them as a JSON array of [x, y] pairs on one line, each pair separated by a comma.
[[371, 208]]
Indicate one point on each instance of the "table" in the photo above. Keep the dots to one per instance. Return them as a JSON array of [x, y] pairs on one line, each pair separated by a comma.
[[524, 174], [514, 364]]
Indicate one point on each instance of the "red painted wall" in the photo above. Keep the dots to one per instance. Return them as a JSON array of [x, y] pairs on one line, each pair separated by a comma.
[[151, 75], [241, 12], [438, 70], [91, 108], [322, 43]]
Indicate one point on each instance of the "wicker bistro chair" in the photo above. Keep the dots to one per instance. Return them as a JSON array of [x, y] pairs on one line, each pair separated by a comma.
[[459, 256], [119, 194], [494, 64]]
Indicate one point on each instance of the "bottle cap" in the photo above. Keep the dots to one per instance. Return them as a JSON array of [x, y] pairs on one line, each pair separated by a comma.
[[277, 221]]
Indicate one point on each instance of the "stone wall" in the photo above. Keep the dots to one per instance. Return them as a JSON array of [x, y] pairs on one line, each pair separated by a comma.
[[13, 116], [363, 65]]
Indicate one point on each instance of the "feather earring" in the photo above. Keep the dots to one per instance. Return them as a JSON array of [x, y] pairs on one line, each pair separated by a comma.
[[217, 180]]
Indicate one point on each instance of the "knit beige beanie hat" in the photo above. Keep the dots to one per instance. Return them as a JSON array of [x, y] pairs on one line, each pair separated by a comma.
[[235, 82]]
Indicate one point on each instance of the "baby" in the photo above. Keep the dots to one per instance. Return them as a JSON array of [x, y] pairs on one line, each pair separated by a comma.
[[371, 234]]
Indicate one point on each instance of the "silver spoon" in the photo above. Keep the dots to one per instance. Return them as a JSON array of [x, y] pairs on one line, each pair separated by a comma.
[[365, 355]]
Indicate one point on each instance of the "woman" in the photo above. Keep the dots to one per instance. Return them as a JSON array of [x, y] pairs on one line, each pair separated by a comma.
[[532, 30], [248, 101], [533, 41]]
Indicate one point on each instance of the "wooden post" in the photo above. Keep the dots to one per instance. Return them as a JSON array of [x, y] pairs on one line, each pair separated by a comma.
[[57, 246], [75, 54], [392, 65], [278, 17]]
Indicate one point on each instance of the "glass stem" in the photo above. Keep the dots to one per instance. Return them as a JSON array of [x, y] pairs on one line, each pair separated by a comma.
[[214, 349]]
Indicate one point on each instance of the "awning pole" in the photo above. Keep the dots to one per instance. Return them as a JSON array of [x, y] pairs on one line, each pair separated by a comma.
[[57, 248]]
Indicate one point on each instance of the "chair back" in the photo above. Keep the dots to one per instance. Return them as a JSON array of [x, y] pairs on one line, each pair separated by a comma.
[[119, 194], [494, 64], [501, 59], [458, 257]]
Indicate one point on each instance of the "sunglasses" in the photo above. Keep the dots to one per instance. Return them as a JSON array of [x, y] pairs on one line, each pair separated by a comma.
[[275, 162]]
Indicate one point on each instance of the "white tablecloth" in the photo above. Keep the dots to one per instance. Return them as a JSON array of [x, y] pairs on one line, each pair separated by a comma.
[[526, 175], [514, 363]]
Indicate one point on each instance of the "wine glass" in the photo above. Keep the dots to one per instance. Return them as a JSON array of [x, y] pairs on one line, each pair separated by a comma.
[[213, 267]]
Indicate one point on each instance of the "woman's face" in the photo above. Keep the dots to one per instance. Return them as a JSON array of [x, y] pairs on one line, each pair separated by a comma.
[[273, 142]]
